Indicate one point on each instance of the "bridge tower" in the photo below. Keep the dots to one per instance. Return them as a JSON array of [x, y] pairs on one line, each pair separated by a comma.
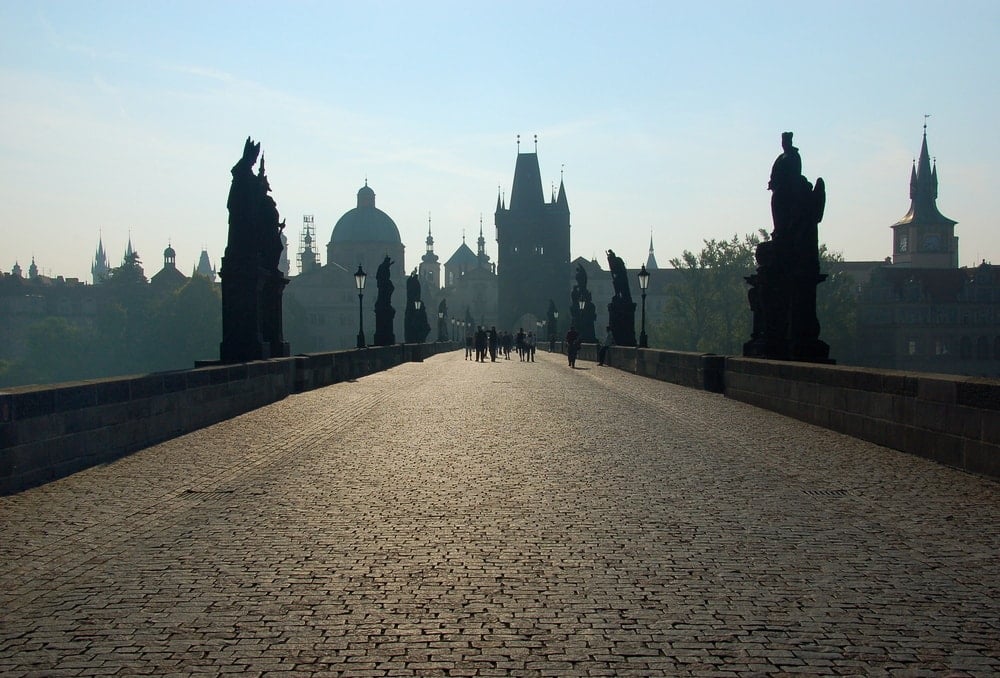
[[533, 264]]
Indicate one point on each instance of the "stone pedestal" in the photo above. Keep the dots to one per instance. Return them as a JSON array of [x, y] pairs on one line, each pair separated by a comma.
[[242, 338]]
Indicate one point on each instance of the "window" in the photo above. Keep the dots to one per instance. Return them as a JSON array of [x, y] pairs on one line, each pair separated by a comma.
[[911, 347]]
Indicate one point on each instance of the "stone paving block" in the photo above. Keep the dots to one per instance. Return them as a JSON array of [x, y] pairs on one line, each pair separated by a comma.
[[458, 519]]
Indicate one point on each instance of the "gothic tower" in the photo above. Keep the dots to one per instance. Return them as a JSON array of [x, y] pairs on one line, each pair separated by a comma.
[[924, 238], [533, 246], [430, 268], [100, 270]]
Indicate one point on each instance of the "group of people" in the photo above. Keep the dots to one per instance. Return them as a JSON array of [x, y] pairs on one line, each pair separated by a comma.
[[496, 344], [499, 344]]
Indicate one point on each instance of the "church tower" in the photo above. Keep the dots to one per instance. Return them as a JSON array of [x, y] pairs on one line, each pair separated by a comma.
[[430, 268], [924, 238], [651, 259], [533, 246], [99, 270]]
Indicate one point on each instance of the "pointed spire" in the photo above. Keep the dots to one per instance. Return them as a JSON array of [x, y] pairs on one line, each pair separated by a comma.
[[651, 259], [923, 191], [499, 199], [430, 238]]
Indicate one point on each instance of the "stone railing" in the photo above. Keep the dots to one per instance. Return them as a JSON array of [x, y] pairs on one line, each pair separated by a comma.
[[47, 432], [952, 420]]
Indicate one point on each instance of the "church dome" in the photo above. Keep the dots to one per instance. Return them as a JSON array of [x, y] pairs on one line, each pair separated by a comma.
[[365, 223]]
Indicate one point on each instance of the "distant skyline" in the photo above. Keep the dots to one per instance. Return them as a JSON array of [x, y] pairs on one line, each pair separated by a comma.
[[663, 118]]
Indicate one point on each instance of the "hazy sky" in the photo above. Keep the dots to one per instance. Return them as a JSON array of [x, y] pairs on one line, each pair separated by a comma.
[[665, 117]]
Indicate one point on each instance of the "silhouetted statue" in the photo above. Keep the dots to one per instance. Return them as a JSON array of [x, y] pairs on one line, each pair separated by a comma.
[[415, 325], [252, 285], [583, 319], [384, 312], [782, 295], [443, 320], [621, 310]]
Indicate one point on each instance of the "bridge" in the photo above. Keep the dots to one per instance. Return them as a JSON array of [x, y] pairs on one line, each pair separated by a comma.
[[453, 518]]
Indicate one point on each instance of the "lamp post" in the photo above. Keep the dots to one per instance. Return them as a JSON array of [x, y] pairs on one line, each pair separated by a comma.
[[359, 280], [441, 336], [554, 331], [643, 284]]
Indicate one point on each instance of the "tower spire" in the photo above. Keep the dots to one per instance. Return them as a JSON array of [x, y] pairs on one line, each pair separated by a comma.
[[651, 259], [924, 237]]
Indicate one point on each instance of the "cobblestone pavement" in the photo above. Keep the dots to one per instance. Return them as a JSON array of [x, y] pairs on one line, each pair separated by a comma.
[[463, 519]]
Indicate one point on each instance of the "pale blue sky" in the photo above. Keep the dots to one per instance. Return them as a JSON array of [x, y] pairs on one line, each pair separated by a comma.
[[122, 117]]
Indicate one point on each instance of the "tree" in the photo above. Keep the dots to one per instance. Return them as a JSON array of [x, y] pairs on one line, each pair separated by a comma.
[[708, 311], [837, 308]]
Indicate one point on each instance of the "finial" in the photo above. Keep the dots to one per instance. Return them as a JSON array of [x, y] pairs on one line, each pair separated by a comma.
[[926, 115], [536, 143], [518, 143], [561, 168], [463, 236], [428, 223], [480, 223]]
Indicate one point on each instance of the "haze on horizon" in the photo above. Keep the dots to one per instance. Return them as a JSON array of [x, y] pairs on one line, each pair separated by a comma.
[[123, 119]]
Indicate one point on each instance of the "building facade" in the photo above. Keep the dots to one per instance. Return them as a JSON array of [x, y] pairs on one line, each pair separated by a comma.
[[321, 305], [921, 312], [533, 247]]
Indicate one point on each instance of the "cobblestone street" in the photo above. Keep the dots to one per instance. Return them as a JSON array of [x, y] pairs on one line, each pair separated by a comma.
[[464, 519]]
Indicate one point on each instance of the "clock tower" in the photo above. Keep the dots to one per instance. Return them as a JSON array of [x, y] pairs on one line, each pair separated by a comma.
[[924, 238]]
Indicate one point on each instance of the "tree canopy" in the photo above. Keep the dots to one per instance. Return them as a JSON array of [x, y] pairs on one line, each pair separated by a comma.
[[707, 309]]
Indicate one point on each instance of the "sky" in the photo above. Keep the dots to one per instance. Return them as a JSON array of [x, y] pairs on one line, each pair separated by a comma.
[[122, 119]]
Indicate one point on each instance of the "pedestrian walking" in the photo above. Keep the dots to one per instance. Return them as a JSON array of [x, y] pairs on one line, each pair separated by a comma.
[[480, 344], [494, 343], [530, 345], [572, 345]]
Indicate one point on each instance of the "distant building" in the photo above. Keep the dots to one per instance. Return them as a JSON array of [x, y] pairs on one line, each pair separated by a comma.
[[533, 247], [205, 268], [327, 295], [922, 312], [168, 278], [471, 285], [99, 269]]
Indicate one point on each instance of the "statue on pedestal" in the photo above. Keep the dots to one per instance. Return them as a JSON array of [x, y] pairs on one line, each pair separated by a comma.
[[782, 295], [384, 312], [415, 325], [583, 319], [252, 285], [621, 310]]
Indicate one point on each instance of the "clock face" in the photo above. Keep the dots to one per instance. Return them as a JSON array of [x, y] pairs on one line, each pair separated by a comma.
[[932, 242]]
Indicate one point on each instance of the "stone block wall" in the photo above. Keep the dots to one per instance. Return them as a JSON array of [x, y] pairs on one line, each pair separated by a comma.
[[952, 420], [48, 432]]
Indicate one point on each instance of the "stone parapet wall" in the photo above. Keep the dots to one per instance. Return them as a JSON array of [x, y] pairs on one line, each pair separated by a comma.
[[952, 420], [48, 432], [697, 370]]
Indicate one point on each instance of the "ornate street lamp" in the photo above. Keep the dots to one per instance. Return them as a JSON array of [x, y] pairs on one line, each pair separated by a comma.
[[643, 284], [441, 330], [359, 280]]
